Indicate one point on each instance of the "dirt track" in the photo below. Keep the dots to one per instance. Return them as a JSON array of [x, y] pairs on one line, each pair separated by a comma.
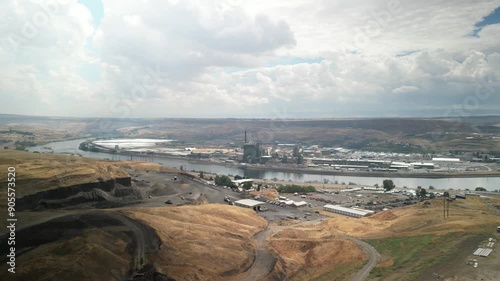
[[373, 258], [264, 261], [143, 239]]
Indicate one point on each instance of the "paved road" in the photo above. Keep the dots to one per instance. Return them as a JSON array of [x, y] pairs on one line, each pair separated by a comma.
[[373, 257]]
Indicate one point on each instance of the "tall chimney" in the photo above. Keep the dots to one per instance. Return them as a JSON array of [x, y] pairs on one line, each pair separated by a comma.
[[245, 136]]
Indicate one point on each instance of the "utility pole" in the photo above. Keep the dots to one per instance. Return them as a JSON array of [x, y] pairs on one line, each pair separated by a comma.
[[444, 207], [448, 207]]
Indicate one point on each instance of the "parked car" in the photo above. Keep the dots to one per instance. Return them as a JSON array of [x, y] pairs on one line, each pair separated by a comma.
[[169, 202]]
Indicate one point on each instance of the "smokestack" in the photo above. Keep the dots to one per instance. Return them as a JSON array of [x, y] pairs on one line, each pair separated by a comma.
[[245, 136]]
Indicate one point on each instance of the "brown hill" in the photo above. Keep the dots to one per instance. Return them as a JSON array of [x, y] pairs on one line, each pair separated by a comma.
[[464, 216], [205, 242]]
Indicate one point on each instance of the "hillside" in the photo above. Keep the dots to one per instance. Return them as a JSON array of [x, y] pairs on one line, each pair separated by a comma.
[[37, 172], [421, 219], [206, 242], [376, 134]]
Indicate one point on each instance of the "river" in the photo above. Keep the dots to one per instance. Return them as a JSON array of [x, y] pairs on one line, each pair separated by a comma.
[[490, 183]]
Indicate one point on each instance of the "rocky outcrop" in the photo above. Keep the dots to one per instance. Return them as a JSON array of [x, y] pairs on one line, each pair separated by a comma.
[[69, 195]]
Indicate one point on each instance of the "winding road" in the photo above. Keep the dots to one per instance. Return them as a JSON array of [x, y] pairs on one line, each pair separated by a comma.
[[373, 257], [264, 260], [144, 240]]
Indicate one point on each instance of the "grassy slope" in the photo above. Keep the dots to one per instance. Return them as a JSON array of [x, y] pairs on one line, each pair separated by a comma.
[[315, 254], [416, 238], [206, 242], [97, 255]]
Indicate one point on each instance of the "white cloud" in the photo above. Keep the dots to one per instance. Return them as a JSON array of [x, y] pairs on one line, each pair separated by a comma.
[[405, 89], [217, 58]]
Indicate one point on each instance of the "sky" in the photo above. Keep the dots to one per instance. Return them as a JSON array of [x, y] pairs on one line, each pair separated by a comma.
[[249, 59]]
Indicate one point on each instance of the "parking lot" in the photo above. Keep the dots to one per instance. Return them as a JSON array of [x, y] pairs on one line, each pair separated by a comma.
[[180, 190]]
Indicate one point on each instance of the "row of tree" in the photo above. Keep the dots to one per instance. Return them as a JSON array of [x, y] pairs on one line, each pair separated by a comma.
[[295, 188]]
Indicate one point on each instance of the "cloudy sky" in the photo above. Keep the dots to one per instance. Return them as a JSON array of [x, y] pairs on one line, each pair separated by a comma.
[[259, 58]]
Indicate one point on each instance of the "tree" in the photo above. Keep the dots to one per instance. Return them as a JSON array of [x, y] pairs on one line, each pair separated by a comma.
[[446, 194], [422, 193], [431, 187], [247, 185], [223, 180], [388, 185], [201, 175], [432, 195], [480, 189]]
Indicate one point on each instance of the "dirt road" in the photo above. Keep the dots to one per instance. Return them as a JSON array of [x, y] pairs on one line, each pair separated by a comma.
[[373, 257], [58, 226], [139, 233], [264, 261]]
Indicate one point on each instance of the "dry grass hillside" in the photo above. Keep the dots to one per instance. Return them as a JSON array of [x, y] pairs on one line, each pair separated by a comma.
[[464, 216], [87, 257], [205, 242], [145, 166], [315, 254], [37, 172]]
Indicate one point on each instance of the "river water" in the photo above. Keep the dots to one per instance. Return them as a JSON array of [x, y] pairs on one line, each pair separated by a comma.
[[490, 183]]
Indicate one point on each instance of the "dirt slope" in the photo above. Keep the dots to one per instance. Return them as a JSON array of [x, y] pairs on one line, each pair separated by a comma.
[[316, 254], [205, 242], [464, 215], [97, 255], [37, 172]]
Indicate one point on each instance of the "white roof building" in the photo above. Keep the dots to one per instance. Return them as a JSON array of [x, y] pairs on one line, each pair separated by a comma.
[[241, 181], [300, 204], [446, 159], [346, 211], [249, 203]]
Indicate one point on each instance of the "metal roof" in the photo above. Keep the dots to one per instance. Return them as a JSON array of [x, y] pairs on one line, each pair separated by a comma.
[[300, 203], [347, 210], [249, 202], [446, 159], [242, 181]]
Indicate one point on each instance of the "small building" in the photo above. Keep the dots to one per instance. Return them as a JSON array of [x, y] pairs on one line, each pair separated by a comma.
[[242, 181], [346, 211], [423, 165], [300, 204], [351, 189], [249, 203]]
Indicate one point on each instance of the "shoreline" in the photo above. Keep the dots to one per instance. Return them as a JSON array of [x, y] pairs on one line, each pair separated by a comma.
[[428, 175]]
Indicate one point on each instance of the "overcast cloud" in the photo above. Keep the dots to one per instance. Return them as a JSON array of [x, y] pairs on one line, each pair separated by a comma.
[[235, 58]]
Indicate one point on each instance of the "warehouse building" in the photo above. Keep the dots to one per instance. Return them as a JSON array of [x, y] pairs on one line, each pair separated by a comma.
[[355, 213], [439, 159], [249, 203]]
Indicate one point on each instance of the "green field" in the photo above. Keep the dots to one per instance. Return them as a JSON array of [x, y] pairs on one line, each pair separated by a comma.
[[413, 254]]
